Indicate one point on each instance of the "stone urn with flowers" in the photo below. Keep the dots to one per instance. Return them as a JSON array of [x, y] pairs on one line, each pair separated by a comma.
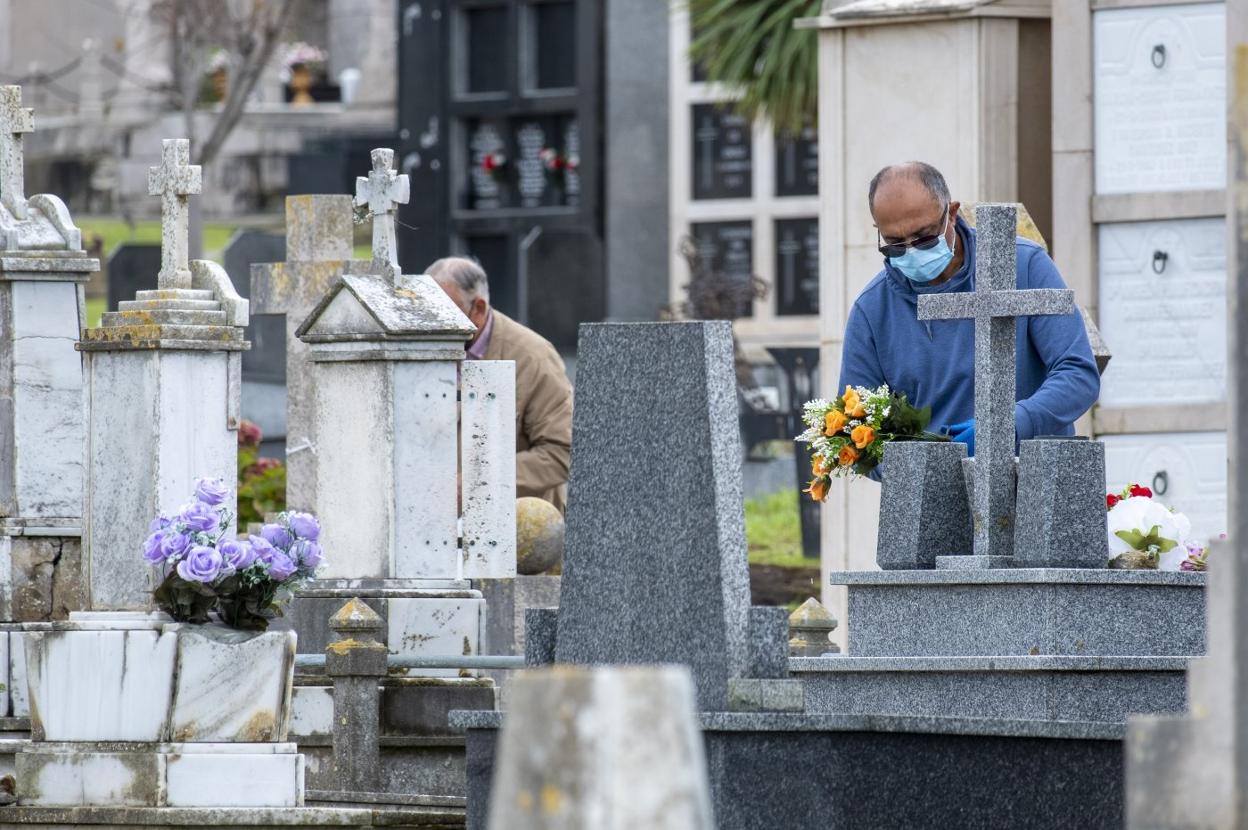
[[303, 67], [202, 678]]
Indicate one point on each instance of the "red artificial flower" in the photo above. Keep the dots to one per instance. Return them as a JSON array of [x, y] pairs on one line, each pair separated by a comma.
[[1110, 501], [1137, 490], [488, 164]]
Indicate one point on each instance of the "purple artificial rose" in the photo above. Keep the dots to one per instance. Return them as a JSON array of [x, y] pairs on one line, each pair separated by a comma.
[[277, 536], [159, 523], [304, 525], [174, 544], [237, 555], [308, 553], [153, 548], [202, 564], [281, 566], [200, 517], [211, 491]]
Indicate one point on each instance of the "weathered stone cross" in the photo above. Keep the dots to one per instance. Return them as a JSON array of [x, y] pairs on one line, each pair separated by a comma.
[[319, 233], [14, 121], [383, 190], [994, 305], [173, 181]]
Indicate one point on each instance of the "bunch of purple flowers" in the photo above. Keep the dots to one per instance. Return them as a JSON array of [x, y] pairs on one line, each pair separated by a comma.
[[205, 569]]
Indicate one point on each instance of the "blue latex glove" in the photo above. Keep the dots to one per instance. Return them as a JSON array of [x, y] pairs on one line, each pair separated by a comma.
[[963, 433]]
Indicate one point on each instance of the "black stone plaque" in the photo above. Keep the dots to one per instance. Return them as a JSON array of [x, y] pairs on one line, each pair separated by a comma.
[[537, 178], [797, 163], [487, 30], [266, 359], [493, 252], [797, 266], [726, 249], [554, 52], [132, 267], [722, 154], [489, 165]]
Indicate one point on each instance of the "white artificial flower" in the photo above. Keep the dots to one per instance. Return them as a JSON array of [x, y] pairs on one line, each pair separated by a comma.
[[1142, 514]]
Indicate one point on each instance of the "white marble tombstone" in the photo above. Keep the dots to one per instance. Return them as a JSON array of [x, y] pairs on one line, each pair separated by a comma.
[[395, 401], [163, 379], [42, 271]]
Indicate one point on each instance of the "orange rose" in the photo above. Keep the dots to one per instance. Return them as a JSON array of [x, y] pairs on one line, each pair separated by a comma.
[[819, 465], [853, 404], [862, 436], [818, 489], [834, 422], [847, 456]]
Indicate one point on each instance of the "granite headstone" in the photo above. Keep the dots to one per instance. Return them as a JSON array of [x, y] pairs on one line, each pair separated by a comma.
[[131, 268], [924, 510], [266, 359], [655, 565]]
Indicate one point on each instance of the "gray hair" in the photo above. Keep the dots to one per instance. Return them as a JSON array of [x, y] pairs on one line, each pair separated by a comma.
[[922, 172], [466, 273]]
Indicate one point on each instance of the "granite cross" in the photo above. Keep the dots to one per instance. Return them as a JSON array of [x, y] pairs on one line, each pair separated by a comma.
[[173, 181], [14, 121], [383, 190], [994, 305], [319, 231]]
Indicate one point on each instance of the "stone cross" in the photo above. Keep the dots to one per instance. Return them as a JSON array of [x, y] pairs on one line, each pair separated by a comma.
[[319, 233], [14, 121], [994, 305], [173, 181], [383, 190]]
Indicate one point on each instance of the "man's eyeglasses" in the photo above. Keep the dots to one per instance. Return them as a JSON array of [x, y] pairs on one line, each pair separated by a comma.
[[923, 243]]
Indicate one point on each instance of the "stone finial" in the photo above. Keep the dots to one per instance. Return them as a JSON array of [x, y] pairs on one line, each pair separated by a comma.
[[173, 181], [810, 630], [994, 305], [356, 617], [382, 191], [14, 121]]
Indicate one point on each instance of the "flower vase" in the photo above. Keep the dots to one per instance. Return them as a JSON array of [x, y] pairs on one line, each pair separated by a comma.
[[220, 81], [301, 83]]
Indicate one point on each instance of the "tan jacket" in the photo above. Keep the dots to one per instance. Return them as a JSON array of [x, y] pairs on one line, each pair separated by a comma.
[[543, 410]]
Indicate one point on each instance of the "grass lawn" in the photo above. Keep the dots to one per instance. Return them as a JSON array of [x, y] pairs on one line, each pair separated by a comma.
[[773, 531], [115, 232]]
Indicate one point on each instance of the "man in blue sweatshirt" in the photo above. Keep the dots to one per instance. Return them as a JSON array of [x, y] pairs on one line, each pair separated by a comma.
[[928, 249]]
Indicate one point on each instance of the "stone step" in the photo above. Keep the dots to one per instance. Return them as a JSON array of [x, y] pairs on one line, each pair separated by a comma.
[[174, 294], [1024, 611], [129, 334], [163, 317], [1052, 688], [206, 304]]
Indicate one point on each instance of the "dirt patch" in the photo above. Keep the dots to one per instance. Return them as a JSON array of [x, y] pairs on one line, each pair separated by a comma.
[[774, 585]]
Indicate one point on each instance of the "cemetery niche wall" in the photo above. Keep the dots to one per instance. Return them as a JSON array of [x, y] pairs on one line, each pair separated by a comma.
[[499, 114]]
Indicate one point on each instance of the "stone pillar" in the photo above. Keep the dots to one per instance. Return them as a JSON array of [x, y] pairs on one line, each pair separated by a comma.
[[163, 377], [42, 271], [356, 662]]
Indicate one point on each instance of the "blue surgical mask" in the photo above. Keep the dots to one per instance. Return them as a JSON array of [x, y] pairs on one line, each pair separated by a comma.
[[925, 265]]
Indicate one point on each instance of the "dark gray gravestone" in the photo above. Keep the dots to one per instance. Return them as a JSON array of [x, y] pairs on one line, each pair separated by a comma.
[[797, 266], [655, 569], [797, 163], [266, 359], [131, 268]]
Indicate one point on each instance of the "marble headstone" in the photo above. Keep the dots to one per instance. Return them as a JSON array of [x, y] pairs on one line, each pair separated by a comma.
[[655, 564]]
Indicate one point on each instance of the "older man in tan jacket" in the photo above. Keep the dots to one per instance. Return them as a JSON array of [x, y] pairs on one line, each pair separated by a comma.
[[543, 393]]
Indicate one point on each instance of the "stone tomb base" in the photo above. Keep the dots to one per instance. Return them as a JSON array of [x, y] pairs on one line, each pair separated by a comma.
[[118, 774], [856, 771]]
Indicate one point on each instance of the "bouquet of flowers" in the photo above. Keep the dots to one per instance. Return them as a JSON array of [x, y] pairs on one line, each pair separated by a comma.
[[847, 436], [1145, 534], [305, 55], [205, 569]]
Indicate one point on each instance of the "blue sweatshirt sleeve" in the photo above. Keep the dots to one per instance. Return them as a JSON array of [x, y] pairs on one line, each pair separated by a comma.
[[1072, 382], [860, 365]]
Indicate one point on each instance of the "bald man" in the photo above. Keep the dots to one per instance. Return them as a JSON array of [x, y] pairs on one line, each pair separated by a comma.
[[543, 393], [928, 249]]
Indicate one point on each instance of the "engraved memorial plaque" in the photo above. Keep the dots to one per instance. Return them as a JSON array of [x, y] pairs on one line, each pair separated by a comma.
[[722, 154], [727, 248], [1185, 471], [1163, 312], [797, 266], [487, 157], [572, 158], [1160, 98], [797, 163], [531, 173]]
